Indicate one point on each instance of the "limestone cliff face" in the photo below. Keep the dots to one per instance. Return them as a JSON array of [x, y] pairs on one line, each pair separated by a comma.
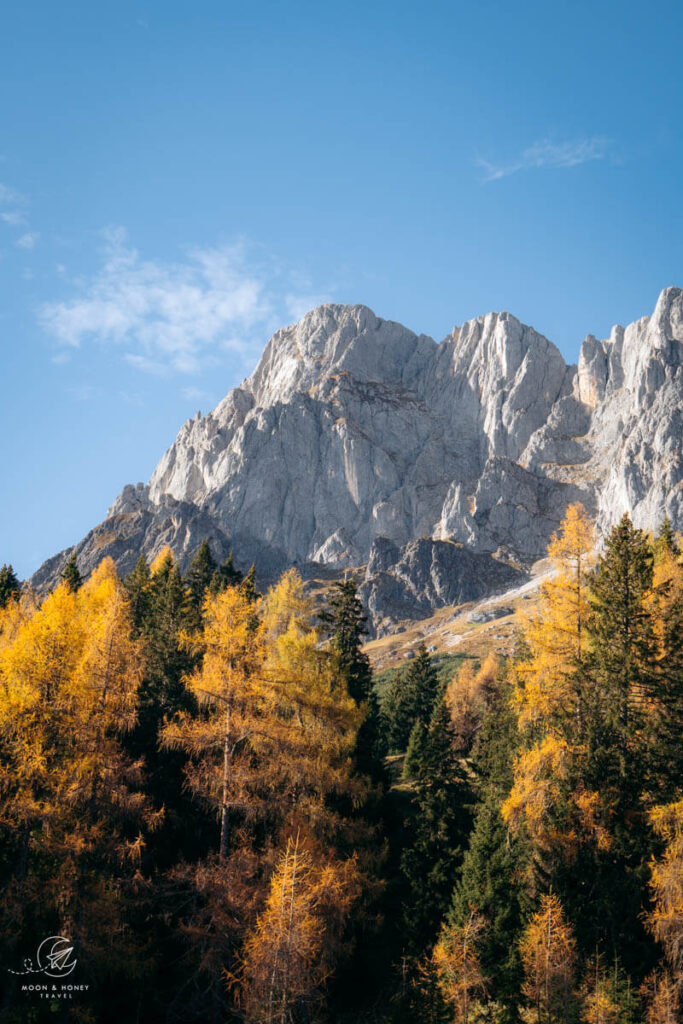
[[353, 428]]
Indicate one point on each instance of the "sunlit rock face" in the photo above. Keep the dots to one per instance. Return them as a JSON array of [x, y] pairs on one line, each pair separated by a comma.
[[353, 430]]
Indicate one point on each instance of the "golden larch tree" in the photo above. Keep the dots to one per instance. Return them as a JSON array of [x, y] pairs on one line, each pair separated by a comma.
[[229, 690], [456, 964], [548, 952], [665, 919], [291, 951]]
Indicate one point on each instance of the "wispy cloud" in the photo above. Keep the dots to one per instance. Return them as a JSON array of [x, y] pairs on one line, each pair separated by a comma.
[[13, 212], [175, 317], [10, 196], [28, 239], [13, 217], [548, 154]]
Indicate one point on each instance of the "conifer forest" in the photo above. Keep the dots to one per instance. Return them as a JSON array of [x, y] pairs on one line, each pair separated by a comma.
[[206, 793]]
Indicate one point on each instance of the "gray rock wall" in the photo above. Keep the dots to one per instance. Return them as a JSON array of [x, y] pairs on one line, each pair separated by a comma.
[[353, 428]]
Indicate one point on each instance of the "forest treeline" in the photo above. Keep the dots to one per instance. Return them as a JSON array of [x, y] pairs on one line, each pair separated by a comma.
[[200, 789]]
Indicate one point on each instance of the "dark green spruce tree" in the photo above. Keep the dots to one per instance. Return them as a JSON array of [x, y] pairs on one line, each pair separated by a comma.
[[9, 585], [70, 574], [226, 575], [490, 880], [200, 574], [670, 669], [345, 619], [666, 538], [138, 588], [440, 824], [622, 661], [605, 890], [367, 967], [163, 609], [411, 699]]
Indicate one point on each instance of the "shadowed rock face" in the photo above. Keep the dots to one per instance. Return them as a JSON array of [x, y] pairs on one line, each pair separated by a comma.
[[353, 428], [409, 583]]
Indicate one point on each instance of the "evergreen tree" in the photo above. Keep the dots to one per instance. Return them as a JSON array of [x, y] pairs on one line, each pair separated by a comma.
[[411, 699], [137, 585], [622, 659], [9, 585], [248, 586], [588, 709], [490, 881], [70, 574], [200, 574], [226, 575], [415, 753], [668, 612], [666, 538], [397, 717], [162, 611], [424, 682], [603, 885], [440, 825], [346, 621]]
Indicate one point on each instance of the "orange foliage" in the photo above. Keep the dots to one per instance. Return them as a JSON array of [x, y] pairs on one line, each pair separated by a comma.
[[665, 920], [548, 951], [455, 961], [467, 695], [556, 636], [291, 950]]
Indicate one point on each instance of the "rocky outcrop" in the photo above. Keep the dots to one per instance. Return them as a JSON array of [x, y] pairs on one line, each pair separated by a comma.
[[353, 429], [427, 574]]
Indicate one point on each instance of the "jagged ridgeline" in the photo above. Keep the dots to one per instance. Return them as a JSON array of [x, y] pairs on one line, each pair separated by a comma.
[[444, 468]]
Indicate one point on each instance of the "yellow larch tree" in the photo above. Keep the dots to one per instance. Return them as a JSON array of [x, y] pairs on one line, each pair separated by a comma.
[[547, 797], [312, 721], [457, 966], [228, 686], [663, 1002], [467, 696], [598, 1005], [549, 695], [548, 952], [70, 796], [269, 744], [291, 950], [665, 604], [38, 657], [665, 919]]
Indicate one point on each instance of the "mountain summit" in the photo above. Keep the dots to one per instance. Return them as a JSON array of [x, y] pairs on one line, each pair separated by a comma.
[[354, 432]]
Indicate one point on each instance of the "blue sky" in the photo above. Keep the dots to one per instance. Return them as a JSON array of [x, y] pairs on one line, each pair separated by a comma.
[[179, 179]]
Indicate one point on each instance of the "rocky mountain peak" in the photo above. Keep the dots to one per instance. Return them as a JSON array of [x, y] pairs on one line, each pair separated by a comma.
[[333, 339], [353, 431]]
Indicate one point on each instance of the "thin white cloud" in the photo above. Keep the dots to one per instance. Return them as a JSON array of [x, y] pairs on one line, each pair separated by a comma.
[[13, 217], [549, 154], [174, 316], [147, 365], [28, 239], [13, 205], [10, 196]]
